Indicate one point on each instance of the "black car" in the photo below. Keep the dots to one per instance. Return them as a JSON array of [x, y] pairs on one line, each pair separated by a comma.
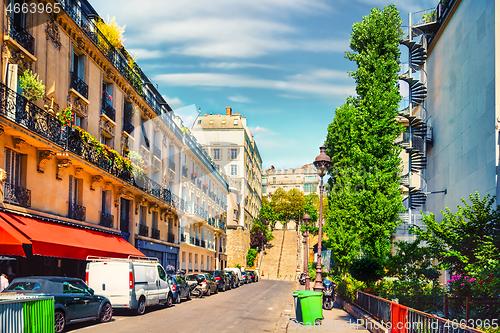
[[234, 282], [74, 301], [180, 288], [222, 280], [253, 276]]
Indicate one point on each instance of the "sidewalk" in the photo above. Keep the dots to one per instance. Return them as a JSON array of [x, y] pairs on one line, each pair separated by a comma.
[[335, 320]]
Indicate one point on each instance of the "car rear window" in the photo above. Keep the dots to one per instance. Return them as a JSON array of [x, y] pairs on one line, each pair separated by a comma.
[[25, 286]]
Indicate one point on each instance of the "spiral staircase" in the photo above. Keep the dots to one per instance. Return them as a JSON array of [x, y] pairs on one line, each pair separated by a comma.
[[418, 135]]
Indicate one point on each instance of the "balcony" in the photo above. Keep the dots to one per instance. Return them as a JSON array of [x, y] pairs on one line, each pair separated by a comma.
[[79, 85], [16, 195], [106, 220], [200, 212], [21, 36], [124, 226], [18, 109], [128, 126], [89, 152], [184, 171], [155, 233], [156, 151], [171, 164], [143, 230], [107, 107], [205, 188], [171, 237], [76, 212]]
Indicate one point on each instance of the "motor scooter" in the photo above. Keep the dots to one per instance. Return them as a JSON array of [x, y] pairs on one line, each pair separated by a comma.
[[196, 287], [302, 279], [328, 289]]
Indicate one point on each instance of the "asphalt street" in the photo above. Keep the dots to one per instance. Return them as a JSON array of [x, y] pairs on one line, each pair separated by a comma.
[[254, 307]]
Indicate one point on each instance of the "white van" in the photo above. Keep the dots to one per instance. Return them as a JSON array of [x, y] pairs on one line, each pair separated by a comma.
[[132, 283], [237, 272]]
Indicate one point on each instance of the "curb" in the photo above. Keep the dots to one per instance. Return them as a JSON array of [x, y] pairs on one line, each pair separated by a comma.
[[285, 317]]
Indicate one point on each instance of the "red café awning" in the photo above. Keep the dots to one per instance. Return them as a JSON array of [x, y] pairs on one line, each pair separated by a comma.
[[11, 241], [58, 240]]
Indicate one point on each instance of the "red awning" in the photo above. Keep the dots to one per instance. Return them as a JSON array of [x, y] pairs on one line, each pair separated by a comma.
[[11, 241], [58, 240]]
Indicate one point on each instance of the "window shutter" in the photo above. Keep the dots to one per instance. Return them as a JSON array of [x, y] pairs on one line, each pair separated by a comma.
[[17, 169], [70, 201], [81, 67], [8, 156], [72, 59]]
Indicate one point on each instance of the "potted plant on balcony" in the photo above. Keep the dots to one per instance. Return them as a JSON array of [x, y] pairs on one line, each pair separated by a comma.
[[32, 86], [194, 175], [65, 116]]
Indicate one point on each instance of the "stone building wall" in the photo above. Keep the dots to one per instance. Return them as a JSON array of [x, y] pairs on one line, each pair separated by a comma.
[[238, 243]]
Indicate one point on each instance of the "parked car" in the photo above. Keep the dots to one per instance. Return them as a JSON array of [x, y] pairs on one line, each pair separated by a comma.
[[253, 276], [237, 272], [209, 285], [234, 281], [221, 279], [244, 277], [129, 283], [180, 288], [74, 301]]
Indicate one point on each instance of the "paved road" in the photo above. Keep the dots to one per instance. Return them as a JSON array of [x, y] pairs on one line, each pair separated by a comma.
[[254, 307]]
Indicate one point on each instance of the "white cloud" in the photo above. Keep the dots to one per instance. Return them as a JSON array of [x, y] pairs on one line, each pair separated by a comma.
[[258, 130], [174, 103], [239, 99], [241, 81], [321, 75], [236, 65], [145, 54], [188, 114]]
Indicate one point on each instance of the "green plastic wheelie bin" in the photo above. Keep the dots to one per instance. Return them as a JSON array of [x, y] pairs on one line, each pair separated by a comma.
[[311, 307]]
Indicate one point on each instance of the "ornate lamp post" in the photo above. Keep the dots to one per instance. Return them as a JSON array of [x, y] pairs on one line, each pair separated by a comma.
[[306, 220], [322, 163]]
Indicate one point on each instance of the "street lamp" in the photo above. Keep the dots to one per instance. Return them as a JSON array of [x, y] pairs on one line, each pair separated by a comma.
[[306, 220], [322, 163]]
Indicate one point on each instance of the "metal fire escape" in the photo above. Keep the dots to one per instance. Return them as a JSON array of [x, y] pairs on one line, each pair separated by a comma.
[[418, 134]]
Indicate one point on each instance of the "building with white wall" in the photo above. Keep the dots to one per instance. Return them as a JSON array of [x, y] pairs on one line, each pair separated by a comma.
[[305, 179], [228, 141]]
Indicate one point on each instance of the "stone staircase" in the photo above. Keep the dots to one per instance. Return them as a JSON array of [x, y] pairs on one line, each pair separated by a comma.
[[280, 261]]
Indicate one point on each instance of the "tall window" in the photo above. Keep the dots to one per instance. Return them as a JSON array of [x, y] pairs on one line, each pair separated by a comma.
[[234, 170], [216, 154], [106, 202], [13, 167], [234, 154], [124, 215]]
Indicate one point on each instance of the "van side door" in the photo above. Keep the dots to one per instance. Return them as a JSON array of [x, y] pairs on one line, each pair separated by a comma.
[[162, 284]]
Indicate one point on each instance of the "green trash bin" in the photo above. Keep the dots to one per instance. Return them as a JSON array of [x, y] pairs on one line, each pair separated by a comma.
[[296, 304], [310, 306]]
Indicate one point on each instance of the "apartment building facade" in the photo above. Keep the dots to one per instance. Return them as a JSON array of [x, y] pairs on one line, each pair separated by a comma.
[[453, 124], [305, 179], [113, 183], [229, 142]]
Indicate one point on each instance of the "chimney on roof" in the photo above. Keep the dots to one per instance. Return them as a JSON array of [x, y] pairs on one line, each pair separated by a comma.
[[228, 111]]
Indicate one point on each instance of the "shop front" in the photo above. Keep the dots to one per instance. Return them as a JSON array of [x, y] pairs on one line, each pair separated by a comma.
[[167, 255]]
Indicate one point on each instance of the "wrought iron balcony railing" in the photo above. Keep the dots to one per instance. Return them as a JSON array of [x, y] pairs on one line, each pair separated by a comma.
[[107, 107], [16, 195], [21, 111], [200, 212], [143, 230], [171, 237], [155, 233], [88, 151], [21, 36], [124, 226], [106, 220], [76, 212], [128, 126], [156, 151], [79, 85]]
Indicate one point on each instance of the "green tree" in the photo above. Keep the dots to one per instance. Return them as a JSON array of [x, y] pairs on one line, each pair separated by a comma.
[[467, 241], [365, 198], [268, 213], [288, 205]]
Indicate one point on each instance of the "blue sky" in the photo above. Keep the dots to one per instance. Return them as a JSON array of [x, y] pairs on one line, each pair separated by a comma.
[[280, 63]]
